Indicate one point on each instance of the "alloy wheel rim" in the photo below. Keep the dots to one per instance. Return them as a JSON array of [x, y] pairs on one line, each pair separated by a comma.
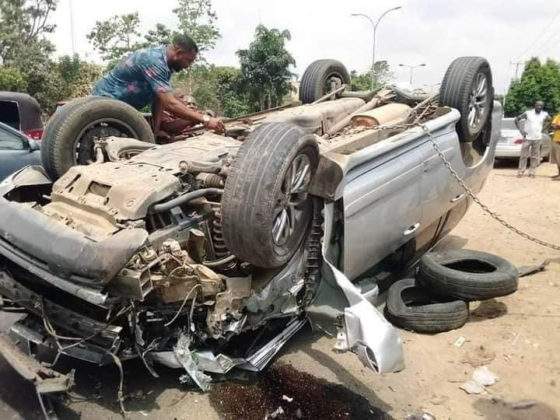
[[290, 206]]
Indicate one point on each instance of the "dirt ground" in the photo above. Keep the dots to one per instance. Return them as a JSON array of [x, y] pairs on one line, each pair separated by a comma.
[[517, 337]]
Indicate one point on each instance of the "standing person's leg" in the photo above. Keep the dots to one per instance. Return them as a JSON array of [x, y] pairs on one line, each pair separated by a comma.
[[523, 157], [555, 157], [535, 157]]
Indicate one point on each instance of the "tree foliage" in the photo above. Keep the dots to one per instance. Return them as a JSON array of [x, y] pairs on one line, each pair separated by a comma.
[[362, 81], [198, 19], [216, 88], [265, 68], [539, 81], [24, 23], [116, 36], [12, 80], [120, 34]]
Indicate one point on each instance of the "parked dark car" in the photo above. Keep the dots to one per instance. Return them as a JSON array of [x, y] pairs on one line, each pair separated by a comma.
[[22, 112], [16, 151]]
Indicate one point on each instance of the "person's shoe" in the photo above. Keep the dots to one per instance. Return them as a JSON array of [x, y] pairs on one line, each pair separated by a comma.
[[519, 174]]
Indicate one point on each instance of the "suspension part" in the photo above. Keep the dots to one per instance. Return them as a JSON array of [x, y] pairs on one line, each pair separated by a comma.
[[220, 249]]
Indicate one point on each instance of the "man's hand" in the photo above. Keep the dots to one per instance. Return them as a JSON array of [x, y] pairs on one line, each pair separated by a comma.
[[216, 125]]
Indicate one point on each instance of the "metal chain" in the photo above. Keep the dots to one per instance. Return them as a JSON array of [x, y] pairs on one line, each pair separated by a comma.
[[483, 206]]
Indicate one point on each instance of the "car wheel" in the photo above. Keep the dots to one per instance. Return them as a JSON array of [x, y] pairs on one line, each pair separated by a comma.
[[467, 86], [266, 210], [319, 77], [467, 275], [411, 307], [69, 136]]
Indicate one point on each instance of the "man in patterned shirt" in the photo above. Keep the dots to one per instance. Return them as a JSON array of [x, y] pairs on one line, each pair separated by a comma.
[[143, 78]]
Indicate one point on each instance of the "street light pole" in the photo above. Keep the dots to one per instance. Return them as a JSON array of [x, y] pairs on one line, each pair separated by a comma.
[[411, 68], [374, 25]]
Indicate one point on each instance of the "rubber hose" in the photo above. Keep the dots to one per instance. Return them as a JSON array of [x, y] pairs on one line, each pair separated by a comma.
[[185, 198]]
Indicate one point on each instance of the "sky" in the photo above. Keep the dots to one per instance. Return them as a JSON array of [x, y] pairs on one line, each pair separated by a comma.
[[433, 32]]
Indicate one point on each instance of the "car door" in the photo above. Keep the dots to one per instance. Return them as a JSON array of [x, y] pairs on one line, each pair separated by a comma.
[[15, 151], [382, 207], [440, 191]]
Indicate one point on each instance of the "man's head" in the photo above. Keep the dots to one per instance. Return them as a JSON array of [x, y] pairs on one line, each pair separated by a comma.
[[539, 105], [182, 52]]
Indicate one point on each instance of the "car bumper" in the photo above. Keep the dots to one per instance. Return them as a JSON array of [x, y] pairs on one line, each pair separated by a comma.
[[508, 152], [46, 380]]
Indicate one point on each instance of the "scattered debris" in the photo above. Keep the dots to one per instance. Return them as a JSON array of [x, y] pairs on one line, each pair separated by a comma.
[[422, 416], [481, 378], [484, 376], [278, 412], [527, 270], [459, 342], [472, 387], [286, 398]]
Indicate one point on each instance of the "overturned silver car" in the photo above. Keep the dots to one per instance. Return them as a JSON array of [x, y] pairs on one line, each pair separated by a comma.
[[210, 253]]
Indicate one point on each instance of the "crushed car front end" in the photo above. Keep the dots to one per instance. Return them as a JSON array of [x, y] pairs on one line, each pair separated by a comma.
[[126, 259]]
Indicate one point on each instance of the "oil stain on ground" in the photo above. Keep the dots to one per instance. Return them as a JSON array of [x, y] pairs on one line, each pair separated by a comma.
[[283, 392]]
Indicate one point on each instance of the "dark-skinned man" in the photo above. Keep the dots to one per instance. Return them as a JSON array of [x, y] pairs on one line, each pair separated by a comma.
[[534, 123], [143, 78]]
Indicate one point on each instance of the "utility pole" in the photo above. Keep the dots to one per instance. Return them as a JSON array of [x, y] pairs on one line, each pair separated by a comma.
[[374, 25], [72, 36], [517, 64]]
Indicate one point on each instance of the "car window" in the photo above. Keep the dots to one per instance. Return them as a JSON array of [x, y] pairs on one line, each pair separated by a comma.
[[10, 141]]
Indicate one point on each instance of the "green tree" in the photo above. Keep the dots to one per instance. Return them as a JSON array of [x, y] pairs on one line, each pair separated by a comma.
[[77, 76], [116, 36], [362, 81], [12, 80], [215, 87], [24, 23], [160, 35], [538, 82], [24, 27], [265, 68], [198, 19]]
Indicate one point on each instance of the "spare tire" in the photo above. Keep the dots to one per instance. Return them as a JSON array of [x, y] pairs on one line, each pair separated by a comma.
[[316, 80], [467, 86], [266, 210], [467, 275], [69, 136], [413, 308]]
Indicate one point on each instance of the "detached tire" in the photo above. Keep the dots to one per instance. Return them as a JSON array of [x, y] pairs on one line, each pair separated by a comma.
[[315, 82], [412, 308], [69, 136], [266, 210], [467, 275], [467, 86]]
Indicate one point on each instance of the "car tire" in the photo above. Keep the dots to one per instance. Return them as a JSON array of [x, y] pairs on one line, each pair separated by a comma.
[[468, 80], [315, 79], [467, 275], [69, 134], [257, 197], [413, 308]]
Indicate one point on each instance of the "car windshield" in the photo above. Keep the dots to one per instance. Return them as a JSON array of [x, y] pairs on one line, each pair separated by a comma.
[[508, 124]]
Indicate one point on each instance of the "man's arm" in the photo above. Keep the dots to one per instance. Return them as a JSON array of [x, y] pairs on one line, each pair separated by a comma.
[[168, 102], [517, 120]]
